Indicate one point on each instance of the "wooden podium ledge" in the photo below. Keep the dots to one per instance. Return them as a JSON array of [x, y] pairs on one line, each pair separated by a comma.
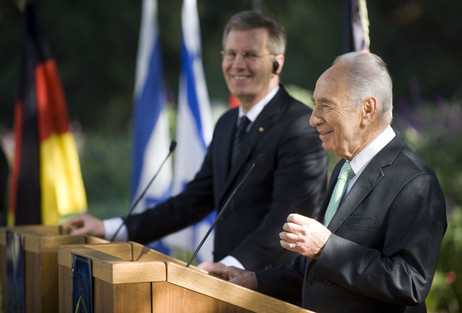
[[45, 238], [230, 293], [115, 263], [173, 285]]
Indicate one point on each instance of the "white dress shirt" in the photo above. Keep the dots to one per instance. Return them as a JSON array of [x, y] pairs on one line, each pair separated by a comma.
[[360, 161]]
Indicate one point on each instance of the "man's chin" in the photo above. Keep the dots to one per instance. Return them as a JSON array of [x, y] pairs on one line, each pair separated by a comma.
[[326, 146], [242, 96]]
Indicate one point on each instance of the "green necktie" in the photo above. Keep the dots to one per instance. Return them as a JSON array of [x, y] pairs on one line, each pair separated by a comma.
[[346, 173]]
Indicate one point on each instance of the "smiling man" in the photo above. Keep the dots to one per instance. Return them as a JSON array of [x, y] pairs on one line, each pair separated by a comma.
[[292, 178], [252, 60], [376, 244]]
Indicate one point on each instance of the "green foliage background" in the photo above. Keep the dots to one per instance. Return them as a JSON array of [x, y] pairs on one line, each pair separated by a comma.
[[95, 46], [434, 130]]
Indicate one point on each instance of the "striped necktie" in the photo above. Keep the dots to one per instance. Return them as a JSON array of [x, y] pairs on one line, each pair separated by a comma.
[[239, 137]]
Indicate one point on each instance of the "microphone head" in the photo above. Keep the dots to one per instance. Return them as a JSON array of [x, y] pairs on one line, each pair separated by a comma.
[[172, 146], [259, 160]]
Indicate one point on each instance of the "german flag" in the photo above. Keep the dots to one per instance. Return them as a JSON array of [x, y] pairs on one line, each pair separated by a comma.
[[46, 181]]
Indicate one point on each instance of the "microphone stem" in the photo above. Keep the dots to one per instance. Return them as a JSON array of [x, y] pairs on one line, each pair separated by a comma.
[[231, 196], [172, 147]]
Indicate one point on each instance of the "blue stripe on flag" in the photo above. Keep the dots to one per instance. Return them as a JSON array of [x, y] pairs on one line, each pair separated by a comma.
[[149, 104], [187, 61], [151, 136], [194, 128]]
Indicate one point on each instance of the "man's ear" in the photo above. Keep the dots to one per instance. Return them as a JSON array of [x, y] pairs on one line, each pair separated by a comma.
[[280, 61], [369, 109]]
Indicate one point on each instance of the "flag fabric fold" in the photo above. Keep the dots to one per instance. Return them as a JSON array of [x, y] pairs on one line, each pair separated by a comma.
[[355, 26], [193, 132], [46, 182], [232, 102], [151, 127], [194, 122]]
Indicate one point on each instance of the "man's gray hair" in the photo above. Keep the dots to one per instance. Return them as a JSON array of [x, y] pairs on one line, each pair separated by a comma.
[[369, 76]]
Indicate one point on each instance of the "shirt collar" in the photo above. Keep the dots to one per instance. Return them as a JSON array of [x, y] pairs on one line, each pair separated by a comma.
[[257, 108], [360, 161]]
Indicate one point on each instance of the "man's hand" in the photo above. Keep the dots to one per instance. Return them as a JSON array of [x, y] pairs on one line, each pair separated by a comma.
[[86, 225], [232, 274], [304, 235], [209, 267]]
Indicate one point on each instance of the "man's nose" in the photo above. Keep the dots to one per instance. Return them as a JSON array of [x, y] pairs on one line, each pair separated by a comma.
[[315, 119], [239, 60]]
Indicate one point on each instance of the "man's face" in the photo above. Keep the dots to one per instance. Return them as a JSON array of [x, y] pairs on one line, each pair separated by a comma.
[[248, 77], [338, 121]]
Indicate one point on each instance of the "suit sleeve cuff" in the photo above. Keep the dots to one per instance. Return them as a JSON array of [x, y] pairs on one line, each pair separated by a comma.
[[232, 261], [110, 227]]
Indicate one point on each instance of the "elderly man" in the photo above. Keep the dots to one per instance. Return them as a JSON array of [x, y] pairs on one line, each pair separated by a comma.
[[377, 245], [293, 176]]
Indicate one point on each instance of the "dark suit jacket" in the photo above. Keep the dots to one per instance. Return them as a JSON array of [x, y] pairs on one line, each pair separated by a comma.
[[291, 179], [384, 248]]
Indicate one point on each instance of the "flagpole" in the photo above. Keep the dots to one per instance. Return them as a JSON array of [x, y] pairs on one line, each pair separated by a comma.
[[21, 4], [256, 5]]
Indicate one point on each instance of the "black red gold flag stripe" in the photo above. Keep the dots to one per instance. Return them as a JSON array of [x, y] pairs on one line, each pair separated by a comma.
[[46, 182]]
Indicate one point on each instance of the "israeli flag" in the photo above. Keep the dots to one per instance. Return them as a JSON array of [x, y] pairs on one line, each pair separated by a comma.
[[151, 127], [194, 129]]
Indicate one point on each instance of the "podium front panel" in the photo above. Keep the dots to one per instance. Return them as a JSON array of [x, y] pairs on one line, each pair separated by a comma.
[[122, 276], [41, 244], [168, 297]]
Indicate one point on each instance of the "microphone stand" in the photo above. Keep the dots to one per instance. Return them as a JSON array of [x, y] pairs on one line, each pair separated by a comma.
[[171, 149], [258, 161]]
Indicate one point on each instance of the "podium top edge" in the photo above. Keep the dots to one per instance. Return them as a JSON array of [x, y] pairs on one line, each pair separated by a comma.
[[231, 293]]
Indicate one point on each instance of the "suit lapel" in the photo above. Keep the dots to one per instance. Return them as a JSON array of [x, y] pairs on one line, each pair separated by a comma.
[[369, 178], [360, 190], [223, 150], [260, 127]]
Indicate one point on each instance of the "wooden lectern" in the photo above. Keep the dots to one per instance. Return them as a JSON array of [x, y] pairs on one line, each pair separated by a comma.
[[129, 277], [40, 268]]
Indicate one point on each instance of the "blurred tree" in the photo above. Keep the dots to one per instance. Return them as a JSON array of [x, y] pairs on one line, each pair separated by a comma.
[[95, 46], [420, 40]]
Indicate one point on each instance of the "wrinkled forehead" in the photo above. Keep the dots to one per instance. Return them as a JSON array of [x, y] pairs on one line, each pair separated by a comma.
[[332, 77], [332, 84], [338, 73]]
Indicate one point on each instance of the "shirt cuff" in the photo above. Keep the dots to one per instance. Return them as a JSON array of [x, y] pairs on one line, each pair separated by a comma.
[[110, 227], [232, 261]]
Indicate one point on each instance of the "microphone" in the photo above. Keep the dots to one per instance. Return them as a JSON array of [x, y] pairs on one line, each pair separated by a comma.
[[170, 151], [259, 160]]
